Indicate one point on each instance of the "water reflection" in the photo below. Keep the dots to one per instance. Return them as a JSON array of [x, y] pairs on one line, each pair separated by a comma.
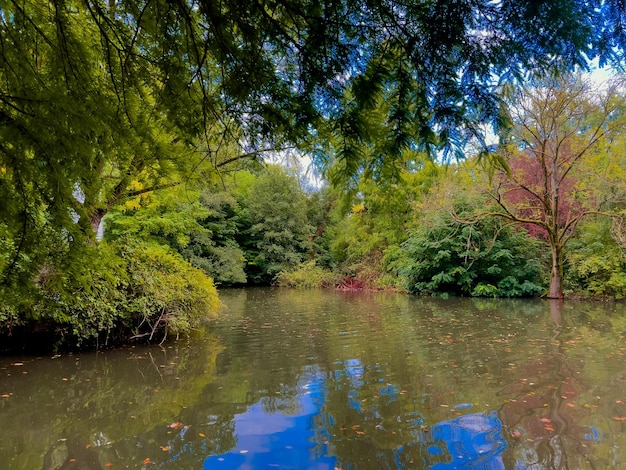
[[273, 439], [289, 379], [470, 441]]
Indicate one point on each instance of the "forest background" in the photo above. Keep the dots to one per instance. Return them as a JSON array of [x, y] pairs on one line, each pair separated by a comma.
[[457, 149]]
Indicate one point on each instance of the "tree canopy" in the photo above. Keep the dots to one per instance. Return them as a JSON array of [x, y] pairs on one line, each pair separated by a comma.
[[103, 101]]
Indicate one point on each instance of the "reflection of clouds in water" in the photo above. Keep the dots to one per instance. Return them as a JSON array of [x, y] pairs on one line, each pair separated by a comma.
[[470, 441], [276, 440], [288, 441]]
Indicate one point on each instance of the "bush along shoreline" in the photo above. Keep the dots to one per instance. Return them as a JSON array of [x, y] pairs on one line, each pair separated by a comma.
[[131, 292]]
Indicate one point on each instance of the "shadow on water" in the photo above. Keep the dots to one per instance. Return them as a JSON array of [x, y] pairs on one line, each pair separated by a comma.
[[333, 380]]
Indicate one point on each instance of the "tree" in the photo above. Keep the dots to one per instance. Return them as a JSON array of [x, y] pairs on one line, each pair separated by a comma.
[[275, 227], [557, 125]]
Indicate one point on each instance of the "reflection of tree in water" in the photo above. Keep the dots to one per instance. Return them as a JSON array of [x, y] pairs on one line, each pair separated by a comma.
[[72, 454], [542, 412]]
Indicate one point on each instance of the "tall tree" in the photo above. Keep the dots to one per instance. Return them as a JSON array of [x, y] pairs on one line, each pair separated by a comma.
[[276, 229], [557, 125]]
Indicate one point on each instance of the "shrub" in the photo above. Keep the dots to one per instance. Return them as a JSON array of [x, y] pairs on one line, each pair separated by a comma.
[[307, 275], [596, 263], [487, 258], [129, 291]]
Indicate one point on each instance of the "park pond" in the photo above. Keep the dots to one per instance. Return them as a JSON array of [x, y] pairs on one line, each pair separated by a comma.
[[324, 379]]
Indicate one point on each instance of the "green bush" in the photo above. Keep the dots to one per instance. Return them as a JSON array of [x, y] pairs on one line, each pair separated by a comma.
[[307, 275], [596, 264], [128, 291], [484, 259]]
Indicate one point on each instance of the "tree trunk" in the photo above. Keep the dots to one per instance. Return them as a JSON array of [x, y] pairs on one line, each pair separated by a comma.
[[96, 220], [556, 276]]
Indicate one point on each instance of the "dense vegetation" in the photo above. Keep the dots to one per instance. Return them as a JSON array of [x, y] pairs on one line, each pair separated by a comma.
[[155, 117]]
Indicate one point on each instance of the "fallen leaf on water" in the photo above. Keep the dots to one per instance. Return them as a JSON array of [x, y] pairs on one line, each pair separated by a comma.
[[147, 460], [619, 418], [545, 420], [176, 425], [165, 448], [108, 464], [201, 435]]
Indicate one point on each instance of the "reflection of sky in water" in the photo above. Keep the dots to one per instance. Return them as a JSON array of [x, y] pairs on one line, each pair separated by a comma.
[[274, 440], [470, 441]]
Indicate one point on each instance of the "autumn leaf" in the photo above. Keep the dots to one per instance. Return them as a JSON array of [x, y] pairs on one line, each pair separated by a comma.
[[619, 418], [147, 460], [176, 425]]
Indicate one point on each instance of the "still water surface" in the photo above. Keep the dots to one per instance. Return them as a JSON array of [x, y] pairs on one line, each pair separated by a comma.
[[289, 379]]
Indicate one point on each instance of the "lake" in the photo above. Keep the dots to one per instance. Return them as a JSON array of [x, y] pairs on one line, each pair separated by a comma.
[[324, 379]]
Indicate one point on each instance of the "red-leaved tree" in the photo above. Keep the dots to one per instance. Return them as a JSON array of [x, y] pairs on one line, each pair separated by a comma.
[[556, 125]]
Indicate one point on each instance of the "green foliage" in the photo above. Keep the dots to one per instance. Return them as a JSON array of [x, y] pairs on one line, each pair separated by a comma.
[[307, 275], [127, 288], [199, 224], [484, 258], [214, 248], [276, 232], [373, 220], [162, 283], [102, 100], [251, 229], [596, 264]]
